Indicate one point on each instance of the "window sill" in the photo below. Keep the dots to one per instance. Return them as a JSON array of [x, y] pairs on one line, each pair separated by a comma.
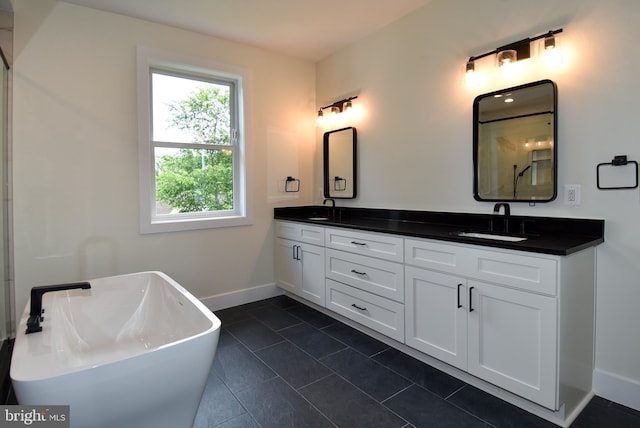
[[177, 225]]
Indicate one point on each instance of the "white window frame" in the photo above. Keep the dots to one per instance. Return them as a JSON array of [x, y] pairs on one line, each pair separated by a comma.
[[153, 59]]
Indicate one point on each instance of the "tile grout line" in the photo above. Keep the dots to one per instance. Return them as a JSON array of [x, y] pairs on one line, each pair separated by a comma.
[[397, 393], [455, 392]]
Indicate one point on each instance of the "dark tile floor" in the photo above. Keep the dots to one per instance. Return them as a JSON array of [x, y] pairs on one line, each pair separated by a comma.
[[282, 364]]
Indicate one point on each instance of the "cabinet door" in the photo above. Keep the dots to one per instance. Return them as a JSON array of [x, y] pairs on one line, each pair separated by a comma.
[[436, 315], [301, 269], [513, 341], [312, 284], [289, 268]]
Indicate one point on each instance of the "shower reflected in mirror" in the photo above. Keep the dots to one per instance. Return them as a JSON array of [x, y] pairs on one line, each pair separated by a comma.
[[515, 145]]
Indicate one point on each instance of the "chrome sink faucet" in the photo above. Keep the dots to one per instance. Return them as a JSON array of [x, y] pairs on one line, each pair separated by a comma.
[[35, 312], [507, 214]]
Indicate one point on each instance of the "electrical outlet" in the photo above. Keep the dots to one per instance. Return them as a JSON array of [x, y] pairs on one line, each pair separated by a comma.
[[572, 194]]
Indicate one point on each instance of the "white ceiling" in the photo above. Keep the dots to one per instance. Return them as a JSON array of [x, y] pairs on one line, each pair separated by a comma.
[[308, 29]]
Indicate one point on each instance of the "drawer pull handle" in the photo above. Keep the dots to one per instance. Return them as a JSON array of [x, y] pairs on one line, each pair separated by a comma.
[[459, 304], [358, 243], [358, 307], [470, 305], [358, 273]]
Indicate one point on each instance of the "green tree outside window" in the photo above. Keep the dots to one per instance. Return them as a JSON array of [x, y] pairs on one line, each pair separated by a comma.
[[196, 180]]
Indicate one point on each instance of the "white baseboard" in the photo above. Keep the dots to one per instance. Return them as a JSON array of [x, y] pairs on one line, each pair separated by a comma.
[[240, 297], [616, 388]]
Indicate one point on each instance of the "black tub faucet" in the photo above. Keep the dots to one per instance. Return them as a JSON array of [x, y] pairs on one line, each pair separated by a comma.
[[33, 323], [507, 214]]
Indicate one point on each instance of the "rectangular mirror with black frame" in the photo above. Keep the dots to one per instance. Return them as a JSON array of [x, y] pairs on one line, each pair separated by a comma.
[[515, 144], [340, 163]]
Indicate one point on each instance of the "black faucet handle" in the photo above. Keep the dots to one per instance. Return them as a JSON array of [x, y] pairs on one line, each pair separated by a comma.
[[33, 324]]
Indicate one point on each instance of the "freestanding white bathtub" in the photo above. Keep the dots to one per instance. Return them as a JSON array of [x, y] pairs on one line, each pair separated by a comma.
[[133, 351]]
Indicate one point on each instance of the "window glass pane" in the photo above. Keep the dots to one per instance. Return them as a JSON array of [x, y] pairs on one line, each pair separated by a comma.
[[190, 111], [193, 180]]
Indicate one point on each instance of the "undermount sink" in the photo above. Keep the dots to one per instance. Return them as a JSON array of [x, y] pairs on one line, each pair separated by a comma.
[[319, 218], [495, 237]]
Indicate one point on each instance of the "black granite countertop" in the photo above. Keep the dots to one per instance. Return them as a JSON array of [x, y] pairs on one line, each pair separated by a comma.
[[547, 235]]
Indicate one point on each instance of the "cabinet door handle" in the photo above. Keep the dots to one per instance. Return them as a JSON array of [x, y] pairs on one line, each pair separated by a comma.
[[470, 305], [358, 273], [296, 252], [358, 243], [459, 304], [293, 250], [359, 307]]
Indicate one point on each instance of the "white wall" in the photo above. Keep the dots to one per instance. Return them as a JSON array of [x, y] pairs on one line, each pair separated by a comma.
[[415, 137], [75, 153]]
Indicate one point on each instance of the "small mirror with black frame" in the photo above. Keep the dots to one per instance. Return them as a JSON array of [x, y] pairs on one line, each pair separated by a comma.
[[340, 163], [515, 144]]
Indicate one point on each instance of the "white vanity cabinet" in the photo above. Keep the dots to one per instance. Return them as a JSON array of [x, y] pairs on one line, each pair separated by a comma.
[[516, 321], [501, 314], [300, 256], [365, 279]]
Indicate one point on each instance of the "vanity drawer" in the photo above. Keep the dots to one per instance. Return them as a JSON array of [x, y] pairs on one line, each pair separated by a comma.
[[437, 256], [376, 276], [381, 246], [300, 232], [511, 268], [530, 273], [382, 315]]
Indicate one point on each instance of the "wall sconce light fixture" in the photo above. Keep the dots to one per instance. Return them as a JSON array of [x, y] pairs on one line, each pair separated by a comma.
[[552, 55], [513, 52], [342, 106], [549, 41]]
